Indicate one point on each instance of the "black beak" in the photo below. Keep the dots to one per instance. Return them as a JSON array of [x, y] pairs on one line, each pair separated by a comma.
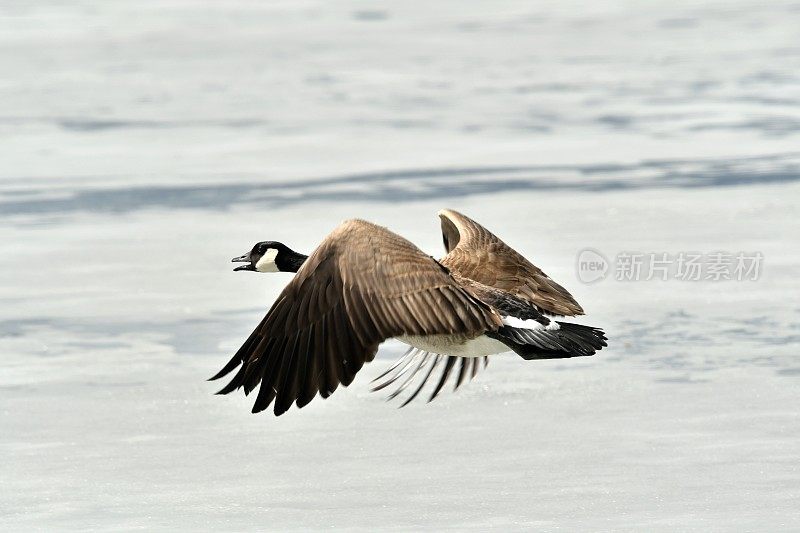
[[243, 259]]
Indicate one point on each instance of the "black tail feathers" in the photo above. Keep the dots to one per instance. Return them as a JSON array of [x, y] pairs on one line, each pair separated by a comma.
[[569, 340]]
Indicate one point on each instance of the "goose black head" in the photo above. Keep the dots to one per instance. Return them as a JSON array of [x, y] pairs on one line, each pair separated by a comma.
[[270, 256]]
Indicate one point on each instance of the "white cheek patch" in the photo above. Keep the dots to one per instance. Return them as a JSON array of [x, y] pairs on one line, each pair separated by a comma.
[[267, 261]]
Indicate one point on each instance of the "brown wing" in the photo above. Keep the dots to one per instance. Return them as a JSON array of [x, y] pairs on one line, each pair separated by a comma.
[[361, 286], [476, 253]]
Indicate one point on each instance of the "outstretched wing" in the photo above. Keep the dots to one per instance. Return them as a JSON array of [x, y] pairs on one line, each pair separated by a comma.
[[361, 286], [415, 364], [476, 253]]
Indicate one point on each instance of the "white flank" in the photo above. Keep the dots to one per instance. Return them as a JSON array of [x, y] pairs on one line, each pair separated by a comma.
[[448, 345], [515, 322]]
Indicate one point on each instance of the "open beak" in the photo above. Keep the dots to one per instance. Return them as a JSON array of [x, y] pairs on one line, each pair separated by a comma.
[[243, 259]]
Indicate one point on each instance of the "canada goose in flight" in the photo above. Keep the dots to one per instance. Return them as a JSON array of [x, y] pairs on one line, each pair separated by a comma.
[[364, 284]]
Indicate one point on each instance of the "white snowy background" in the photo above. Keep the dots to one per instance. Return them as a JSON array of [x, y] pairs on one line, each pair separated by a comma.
[[145, 143]]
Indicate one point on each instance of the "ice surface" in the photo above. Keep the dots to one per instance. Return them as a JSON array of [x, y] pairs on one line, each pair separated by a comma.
[[144, 144]]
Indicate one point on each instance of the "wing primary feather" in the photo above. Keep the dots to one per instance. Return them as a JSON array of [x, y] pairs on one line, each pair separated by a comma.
[[435, 363], [309, 383], [259, 358], [331, 351], [267, 392], [235, 382], [410, 378], [235, 361], [350, 363], [344, 343], [445, 374], [323, 345], [302, 354], [395, 364], [286, 383], [462, 372], [265, 396], [238, 357], [401, 372]]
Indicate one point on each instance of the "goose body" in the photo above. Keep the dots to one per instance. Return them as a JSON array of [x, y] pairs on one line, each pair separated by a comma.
[[455, 345], [364, 284]]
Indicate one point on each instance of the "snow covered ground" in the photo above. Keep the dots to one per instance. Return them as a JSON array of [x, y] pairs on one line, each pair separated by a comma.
[[144, 144]]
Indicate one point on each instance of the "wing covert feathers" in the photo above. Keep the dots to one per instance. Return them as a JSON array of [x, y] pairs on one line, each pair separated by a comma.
[[476, 253]]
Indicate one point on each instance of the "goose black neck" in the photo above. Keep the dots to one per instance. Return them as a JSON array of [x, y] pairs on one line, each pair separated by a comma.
[[290, 261]]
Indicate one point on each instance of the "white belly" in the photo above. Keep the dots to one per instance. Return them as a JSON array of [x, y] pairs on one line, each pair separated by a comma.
[[448, 345]]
